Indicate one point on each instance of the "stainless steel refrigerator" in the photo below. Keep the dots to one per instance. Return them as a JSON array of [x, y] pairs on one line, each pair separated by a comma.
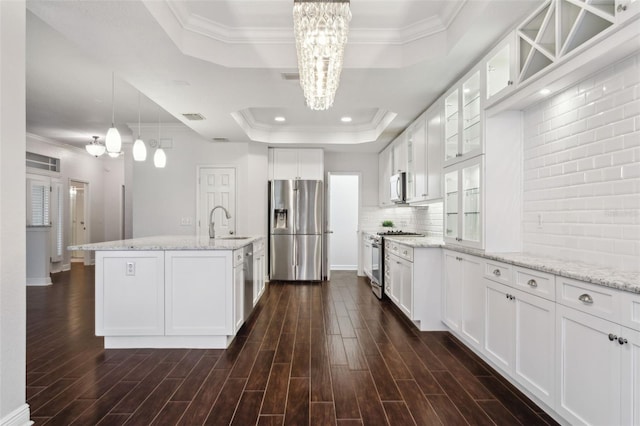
[[296, 210]]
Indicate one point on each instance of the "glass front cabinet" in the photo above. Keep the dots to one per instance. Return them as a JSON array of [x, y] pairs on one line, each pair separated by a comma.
[[463, 203], [464, 107]]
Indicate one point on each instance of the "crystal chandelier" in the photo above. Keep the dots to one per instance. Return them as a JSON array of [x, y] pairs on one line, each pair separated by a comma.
[[321, 29]]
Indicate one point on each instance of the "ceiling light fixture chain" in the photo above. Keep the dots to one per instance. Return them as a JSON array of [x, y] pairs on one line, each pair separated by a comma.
[[321, 28]]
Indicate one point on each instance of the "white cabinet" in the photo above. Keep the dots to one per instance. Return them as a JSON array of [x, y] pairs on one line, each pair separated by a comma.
[[500, 70], [130, 293], [259, 270], [238, 289], [463, 203], [519, 337], [197, 292], [412, 281], [596, 350], [399, 156], [367, 251], [588, 361], [464, 112], [424, 156], [384, 174], [286, 163], [462, 297]]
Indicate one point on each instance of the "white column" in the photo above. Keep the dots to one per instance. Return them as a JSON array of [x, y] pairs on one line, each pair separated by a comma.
[[13, 409]]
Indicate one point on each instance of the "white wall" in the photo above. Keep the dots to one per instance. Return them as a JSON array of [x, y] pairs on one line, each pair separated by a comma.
[[12, 214], [161, 197], [582, 171], [105, 176], [364, 163]]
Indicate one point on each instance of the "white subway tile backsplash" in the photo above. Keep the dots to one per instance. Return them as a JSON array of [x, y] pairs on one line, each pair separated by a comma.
[[582, 170], [427, 220]]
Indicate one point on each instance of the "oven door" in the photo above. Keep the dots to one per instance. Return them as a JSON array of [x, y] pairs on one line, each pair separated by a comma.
[[376, 268]]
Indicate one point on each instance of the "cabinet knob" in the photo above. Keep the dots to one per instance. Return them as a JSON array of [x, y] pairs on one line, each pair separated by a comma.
[[622, 340], [586, 299], [621, 8], [532, 283], [612, 337], [497, 272], [404, 252], [510, 83]]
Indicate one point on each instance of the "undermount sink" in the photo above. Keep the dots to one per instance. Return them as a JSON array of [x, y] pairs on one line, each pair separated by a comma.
[[231, 237]]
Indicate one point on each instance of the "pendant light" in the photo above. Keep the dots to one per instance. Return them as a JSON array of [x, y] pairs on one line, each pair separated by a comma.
[[139, 148], [95, 148], [159, 158], [113, 142]]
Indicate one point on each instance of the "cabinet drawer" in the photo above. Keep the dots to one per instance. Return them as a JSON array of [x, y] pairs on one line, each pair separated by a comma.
[[630, 310], [405, 252], [593, 299], [535, 282], [497, 271]]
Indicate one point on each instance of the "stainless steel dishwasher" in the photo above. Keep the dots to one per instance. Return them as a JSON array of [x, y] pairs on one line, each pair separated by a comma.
[[247, 266]]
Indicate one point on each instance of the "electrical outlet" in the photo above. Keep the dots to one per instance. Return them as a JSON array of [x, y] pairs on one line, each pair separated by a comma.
[[185, 221], [131, 268]]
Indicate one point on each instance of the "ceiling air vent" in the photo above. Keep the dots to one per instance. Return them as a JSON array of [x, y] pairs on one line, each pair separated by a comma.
[[291, 76], [193, 116], [220, 139]]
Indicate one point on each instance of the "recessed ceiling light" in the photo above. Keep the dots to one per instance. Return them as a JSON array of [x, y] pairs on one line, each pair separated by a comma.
[[545, 92], [346, 119], [280, 119]]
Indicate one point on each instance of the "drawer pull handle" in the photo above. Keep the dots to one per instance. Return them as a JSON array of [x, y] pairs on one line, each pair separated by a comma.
[[612, 337], [497, 272], [585, 298], [404, 252], [532, 283], [622, 340]]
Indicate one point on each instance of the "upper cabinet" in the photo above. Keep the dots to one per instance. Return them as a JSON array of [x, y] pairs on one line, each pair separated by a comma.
[[463, 203], [385, 160], [424, 156], [464, 107], [500, 70], [285, 163], [399, 157]]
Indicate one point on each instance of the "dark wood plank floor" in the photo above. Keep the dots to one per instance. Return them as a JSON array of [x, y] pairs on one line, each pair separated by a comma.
[[315, 354]]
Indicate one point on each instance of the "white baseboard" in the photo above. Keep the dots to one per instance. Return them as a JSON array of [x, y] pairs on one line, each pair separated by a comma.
[[66, 267], [44, 281], [18, 417], [344, 267]]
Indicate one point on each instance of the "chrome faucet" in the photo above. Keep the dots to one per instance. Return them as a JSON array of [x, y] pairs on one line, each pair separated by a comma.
[[212, 225]]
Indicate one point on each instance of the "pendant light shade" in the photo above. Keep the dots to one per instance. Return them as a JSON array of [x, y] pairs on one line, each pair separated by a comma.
[[139, 150], [95, 148], [160, 158], [113, 141]]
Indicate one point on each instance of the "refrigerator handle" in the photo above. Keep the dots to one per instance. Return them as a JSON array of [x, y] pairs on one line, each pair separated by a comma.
[[297, 206], [295, 252]]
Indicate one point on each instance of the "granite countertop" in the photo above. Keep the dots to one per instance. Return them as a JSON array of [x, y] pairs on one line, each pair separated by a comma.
[[607, 277], [170, 242]]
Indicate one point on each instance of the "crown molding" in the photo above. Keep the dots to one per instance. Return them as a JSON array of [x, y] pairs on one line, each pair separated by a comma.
[[335, 135], [207, 39]]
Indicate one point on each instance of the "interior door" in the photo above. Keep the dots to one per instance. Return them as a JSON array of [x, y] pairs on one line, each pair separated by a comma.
[[217, 187]]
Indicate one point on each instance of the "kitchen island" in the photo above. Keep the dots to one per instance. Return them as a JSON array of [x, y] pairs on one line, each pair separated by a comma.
[[175, 291]]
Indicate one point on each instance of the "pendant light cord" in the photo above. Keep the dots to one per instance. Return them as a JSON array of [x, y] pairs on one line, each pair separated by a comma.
[[113, 91], [138, 114]]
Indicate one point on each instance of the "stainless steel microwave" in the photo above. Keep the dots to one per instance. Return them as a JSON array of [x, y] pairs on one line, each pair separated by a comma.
[[397, 188]]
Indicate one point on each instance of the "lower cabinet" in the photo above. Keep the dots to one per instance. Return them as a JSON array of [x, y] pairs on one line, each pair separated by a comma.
[[130, 294], [197, 293], [238, 289], [519, 337], [463, 297], [413, 283], [599, 370], [366, 255], [259, 270]]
